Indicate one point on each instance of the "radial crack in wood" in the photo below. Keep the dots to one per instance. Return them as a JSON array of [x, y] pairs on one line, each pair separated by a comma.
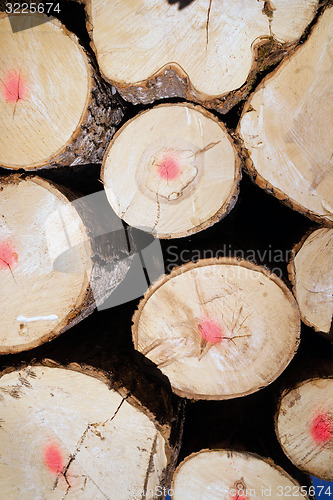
[[172, 171], [286, 125], [212, 474], [52, 274], [311, 272], [55, 110], [304, 426], [151, 50], [218, 329], [83, 439]]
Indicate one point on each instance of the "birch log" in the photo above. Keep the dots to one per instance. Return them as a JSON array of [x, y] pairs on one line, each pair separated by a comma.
[[311, 272], [304, 426], [218, 329], [231, 475], [172, 171], [67, 432], [51, 273], [55, 109], [286, 127], [152, 50]]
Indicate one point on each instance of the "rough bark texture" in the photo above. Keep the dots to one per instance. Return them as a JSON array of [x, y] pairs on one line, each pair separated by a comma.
[[103, 116], [172, 82]]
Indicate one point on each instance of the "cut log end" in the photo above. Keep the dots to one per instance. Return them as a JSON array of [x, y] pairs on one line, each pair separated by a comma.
[[311, 272], [232, 475], [54, 108], [82, 438], [224, 328], [276, 129], [43, 98], [38, 301], [199, 52], [172, 171], [304, 426]]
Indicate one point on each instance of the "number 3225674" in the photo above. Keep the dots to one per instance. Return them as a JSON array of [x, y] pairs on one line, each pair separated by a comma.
[[296, 491], [32, 8]]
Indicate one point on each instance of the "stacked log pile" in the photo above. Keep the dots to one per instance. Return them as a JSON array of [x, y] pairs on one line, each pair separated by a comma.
[[166, 323]]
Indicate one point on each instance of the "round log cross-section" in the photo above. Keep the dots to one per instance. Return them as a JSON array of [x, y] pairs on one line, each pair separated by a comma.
[[67, 433], [285, 126], [218, 329], [198, 50], [55, 110], [56, 263], [311, 272], [172, 170], [304, 426], [231, 475]]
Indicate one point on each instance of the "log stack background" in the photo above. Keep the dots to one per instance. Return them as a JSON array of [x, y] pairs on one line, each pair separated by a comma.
[[259, 228]]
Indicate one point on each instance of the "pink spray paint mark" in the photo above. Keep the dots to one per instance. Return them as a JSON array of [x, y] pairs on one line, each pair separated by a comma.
[[322, 428], [53, 459], [8, 256], [239, 497], [14, 88], [210, 331], [169, 168]]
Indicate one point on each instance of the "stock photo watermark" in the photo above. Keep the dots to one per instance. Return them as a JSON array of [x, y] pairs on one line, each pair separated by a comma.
[[30, 8], [275, 257], [133, 254], [278, 491], [124, 259]]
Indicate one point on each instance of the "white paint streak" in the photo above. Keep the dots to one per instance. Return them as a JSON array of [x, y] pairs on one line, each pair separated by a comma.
[[188, 115], [51, 317]]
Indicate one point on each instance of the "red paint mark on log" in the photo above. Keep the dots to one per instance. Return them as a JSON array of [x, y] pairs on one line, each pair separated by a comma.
[[8, 256], [322, 428], [14, 88], [53, 458], [169, 167], [210, 331]]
